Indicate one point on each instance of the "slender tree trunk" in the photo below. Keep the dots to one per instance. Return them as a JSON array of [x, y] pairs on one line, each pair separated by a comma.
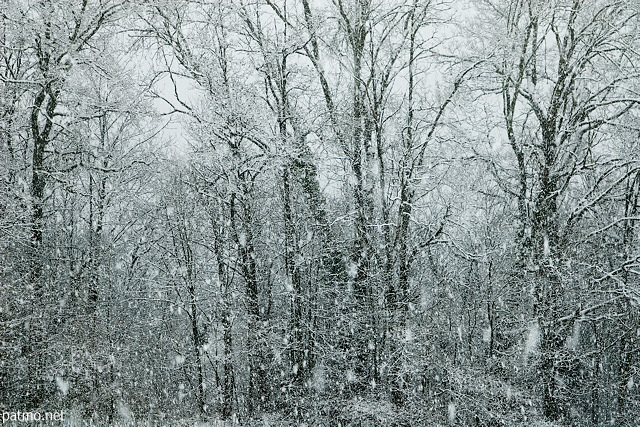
[[258, 390], [228, 374], [44, 105], [628, 340], [197, 342]]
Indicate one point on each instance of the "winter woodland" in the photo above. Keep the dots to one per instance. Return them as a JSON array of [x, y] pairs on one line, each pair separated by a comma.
[[321, 212]]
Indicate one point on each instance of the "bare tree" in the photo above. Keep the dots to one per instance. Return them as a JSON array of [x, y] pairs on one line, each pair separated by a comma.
[[559, 99]]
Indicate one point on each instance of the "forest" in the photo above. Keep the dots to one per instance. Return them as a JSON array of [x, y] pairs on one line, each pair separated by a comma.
[[320, 212]]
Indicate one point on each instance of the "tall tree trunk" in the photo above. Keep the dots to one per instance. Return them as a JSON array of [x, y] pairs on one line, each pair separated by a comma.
[[45, 103], [628, 340], [241, 223], [228, 374]]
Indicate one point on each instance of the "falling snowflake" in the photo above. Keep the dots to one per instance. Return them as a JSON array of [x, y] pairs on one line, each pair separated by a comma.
[[533, 339], [63, 385], [451, 409]]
